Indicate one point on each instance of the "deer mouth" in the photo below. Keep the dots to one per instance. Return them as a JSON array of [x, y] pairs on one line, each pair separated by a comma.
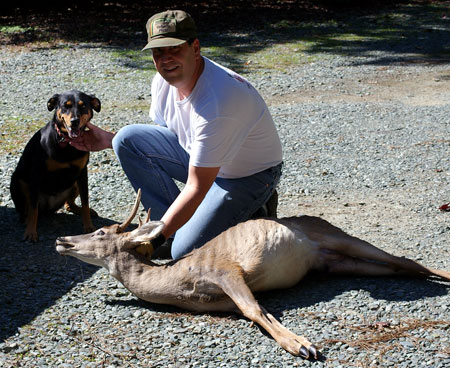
[[62, 246]]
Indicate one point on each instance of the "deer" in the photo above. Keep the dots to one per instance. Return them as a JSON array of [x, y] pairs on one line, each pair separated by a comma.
[[223, 275]]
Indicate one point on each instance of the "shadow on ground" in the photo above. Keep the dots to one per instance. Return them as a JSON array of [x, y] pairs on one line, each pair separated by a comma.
[[317, 288], [236, 29], [33, 275]]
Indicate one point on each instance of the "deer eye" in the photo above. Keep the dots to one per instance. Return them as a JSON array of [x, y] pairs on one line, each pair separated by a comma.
[[99, 233]]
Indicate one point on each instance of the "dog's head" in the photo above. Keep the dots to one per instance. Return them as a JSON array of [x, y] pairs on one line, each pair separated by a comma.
[[73, 111]]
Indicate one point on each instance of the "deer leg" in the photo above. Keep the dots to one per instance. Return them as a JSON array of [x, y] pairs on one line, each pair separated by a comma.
[[236, 288], [339, 263], [357, 248], [333, 240]]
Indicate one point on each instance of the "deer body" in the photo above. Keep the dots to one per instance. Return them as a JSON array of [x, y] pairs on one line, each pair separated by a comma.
[[266, 253], [222, 275]]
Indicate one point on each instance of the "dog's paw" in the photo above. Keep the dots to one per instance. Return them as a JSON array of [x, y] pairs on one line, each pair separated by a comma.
[[30, 236], [93, 212], [89, 228]]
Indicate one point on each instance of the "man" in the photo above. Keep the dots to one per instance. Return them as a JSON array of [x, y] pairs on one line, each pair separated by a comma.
[[214, 133]]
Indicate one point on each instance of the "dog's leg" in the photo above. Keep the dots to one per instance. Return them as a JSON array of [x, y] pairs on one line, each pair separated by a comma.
[[84, 196], [233, 284], [70, 205], [31, 225], [84, 212], [29, 211]]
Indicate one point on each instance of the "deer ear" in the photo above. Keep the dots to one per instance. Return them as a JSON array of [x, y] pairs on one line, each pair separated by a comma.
[[145, 233]]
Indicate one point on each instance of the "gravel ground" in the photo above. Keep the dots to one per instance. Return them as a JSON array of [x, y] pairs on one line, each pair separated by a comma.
[[366, 138]]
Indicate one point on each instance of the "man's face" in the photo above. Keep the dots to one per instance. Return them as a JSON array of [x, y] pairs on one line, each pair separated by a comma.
[[177, 64]]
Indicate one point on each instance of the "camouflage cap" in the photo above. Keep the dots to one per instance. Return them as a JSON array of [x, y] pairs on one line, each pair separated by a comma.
[[170, 28]]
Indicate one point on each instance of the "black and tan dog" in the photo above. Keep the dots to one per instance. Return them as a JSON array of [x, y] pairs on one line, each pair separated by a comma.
[[51, 173]]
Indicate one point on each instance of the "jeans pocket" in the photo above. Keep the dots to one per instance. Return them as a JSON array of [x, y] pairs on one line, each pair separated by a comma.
[[270, 177]]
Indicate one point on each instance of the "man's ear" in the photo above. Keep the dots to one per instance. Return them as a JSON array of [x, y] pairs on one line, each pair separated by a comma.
[[145, 233]]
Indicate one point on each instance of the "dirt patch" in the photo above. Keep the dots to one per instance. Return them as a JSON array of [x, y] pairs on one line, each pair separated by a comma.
[[430, 88]]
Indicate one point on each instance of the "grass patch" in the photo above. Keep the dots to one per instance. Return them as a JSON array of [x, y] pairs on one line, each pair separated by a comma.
[[15, 132], [14, 29], [134, 58], [278, 56]]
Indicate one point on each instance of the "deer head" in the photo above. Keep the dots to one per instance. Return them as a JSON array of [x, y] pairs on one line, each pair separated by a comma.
[[103, 245]]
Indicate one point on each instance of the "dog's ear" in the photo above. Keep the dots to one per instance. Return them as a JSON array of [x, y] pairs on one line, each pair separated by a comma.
[[95, 103], [51, 104]]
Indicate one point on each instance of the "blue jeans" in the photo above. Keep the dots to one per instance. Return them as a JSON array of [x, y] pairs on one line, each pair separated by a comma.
[[153, 159]]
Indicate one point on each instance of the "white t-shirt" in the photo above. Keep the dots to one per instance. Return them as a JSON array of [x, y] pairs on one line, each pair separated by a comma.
[[224, 122]]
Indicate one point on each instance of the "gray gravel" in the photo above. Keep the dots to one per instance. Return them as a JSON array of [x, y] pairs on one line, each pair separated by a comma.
[[366, 137]]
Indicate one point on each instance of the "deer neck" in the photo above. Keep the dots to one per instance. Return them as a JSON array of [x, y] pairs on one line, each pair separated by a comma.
[[146, 280], [127, 268]]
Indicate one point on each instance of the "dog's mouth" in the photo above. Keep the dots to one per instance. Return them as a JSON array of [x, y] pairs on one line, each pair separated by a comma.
[[74, 131]]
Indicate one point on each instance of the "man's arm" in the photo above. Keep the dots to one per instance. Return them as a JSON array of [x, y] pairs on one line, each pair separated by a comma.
[[200, 179], [94, 139]]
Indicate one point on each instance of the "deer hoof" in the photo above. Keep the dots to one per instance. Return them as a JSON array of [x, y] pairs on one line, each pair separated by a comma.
[[313, 351], [306, 353]]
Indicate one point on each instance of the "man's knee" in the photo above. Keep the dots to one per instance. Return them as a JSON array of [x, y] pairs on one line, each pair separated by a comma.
[[124, 136], [135, 138], [120, 139]]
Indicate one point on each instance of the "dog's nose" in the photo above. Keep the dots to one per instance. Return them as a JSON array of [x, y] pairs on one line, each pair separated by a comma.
[[75, 122]]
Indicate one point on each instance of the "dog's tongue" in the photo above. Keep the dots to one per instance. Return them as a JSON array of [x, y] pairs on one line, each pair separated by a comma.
[[74, 132]]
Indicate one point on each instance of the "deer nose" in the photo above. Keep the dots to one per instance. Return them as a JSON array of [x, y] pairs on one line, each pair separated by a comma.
[[62, 241]]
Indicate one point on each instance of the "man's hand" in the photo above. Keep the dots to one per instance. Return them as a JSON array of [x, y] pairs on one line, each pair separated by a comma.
[[94, 139], [181, 210]]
